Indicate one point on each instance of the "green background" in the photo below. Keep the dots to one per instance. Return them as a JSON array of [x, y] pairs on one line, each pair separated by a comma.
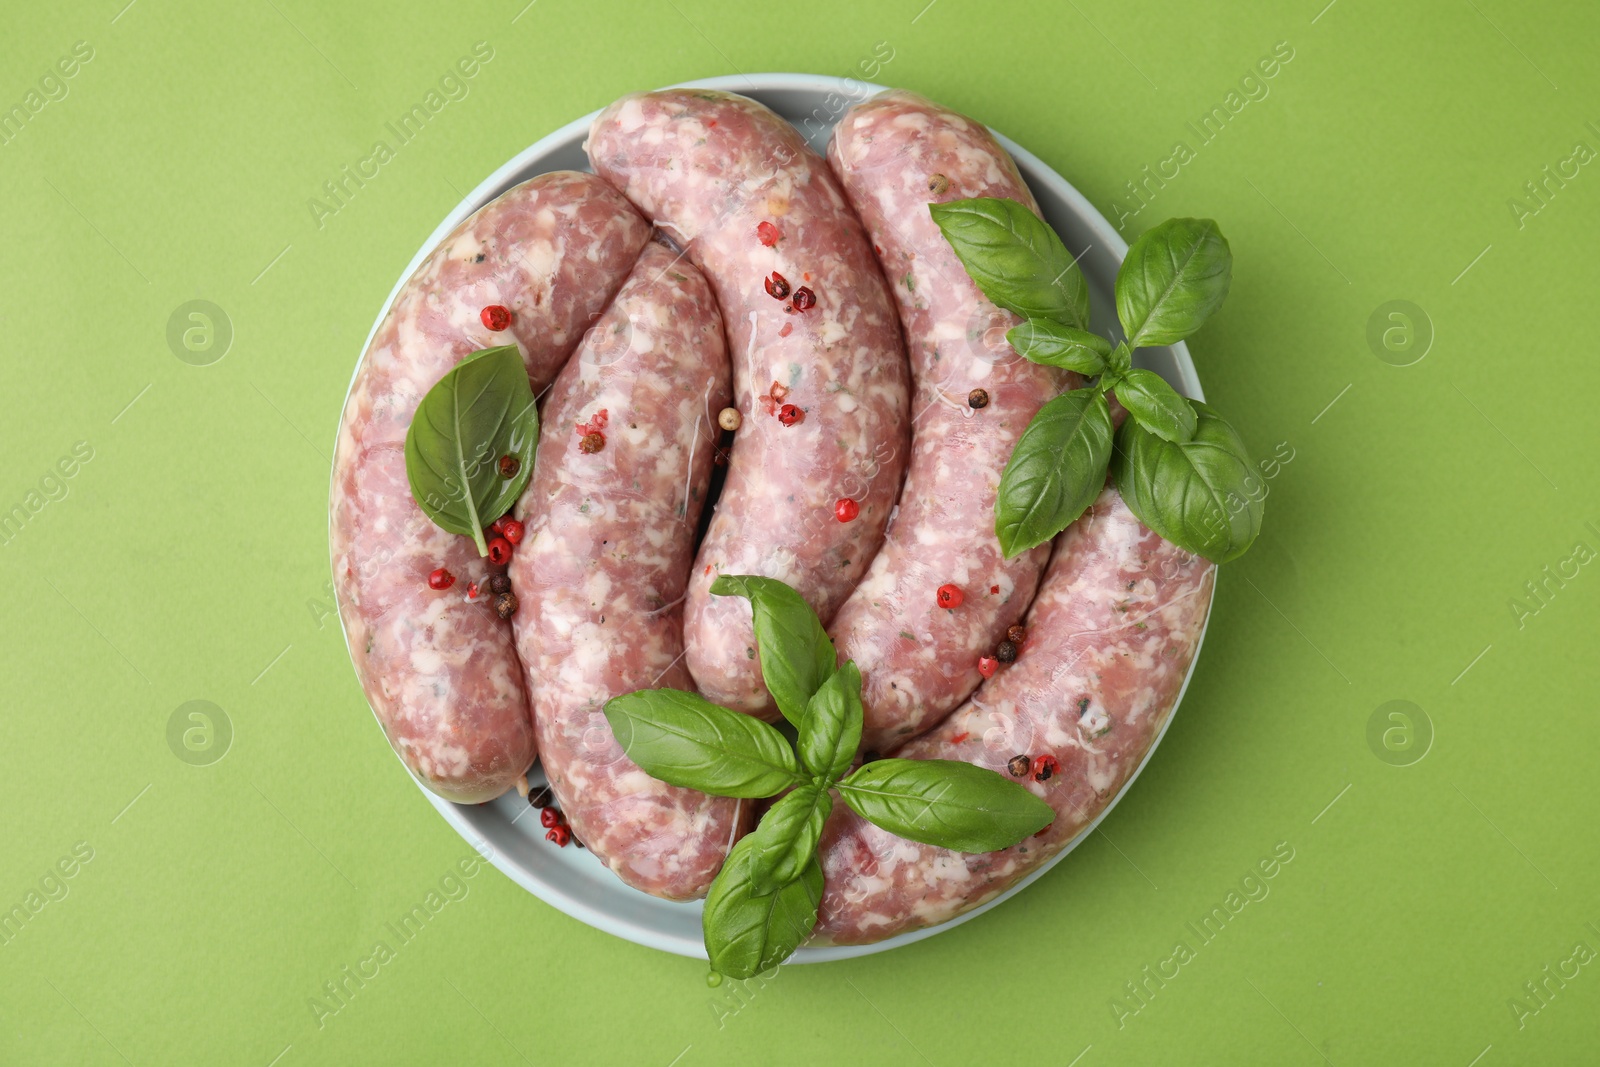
[[187, 559]]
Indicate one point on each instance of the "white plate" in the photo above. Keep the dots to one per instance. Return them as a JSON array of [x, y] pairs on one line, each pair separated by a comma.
[[507, 830]]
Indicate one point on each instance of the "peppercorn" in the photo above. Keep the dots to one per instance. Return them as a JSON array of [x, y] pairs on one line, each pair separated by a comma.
[[509, 466], [1006, 652], [441, 579], [499, 583], [789, 415], [512, 530], [767, 233], [592, 443], [505, 605], [1018, 765], [978, 398], [987, 665], [499, 551], [1017, 635], [777, 286], [729, 419], [549, 817], [559, 834], [949, 596], [804, 299], [496, 317], [845, 509], [1044, 766], [938, 184], [541, 797]]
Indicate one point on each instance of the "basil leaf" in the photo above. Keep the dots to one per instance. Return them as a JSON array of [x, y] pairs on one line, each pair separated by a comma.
[[684, 739], [1203, 495], [1015, 258], [1175, 275], [481, 410], [1054, 345], [796, 654], [945, 803], [747, 933], [1156, 405], [831, 731], [1120, 360], [1056, 470], [786, 839]]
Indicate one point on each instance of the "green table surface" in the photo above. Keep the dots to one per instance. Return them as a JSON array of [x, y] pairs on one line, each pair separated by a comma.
[[1428, 539]]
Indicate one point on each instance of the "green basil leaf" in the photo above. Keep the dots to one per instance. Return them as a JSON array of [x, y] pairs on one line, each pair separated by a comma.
[[1054, 345], [786, 839], [481, 410], [1056, 470], [684, 739], [1015, 259], [945, 803], [796, 654], [1120, 361], [1156, 405], [1175, 275], [1203, 495], [746, 932], [831, 732]]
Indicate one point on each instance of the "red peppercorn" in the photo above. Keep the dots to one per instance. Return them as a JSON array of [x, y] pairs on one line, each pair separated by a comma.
[[846, 509], [472, 590], [789, 415], [549, 817], [1044, 766], [559, 834], [987, 665], [949, 596], [509, 466], [441, 579], [804, 299], [777, 286], [499, 551], [496, 317], [512, 530], [767, 233]]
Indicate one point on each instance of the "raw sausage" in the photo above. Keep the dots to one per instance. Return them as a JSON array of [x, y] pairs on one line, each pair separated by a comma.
[[896, 154], [624, 461], [819, 371], [439, 670], [1117, 621]]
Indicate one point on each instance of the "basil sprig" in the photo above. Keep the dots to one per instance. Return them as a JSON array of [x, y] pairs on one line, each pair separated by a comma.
[[764, 901], [1180, 466], [482, 410]]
